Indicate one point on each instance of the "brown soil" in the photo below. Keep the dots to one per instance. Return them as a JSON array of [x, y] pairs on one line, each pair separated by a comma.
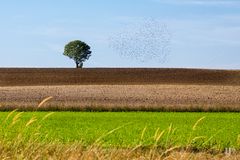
[[121, 89], [91, 76], [124, 97]]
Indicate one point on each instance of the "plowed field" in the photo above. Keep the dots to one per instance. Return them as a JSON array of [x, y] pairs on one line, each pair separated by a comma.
[[121, 89], [23, 77]]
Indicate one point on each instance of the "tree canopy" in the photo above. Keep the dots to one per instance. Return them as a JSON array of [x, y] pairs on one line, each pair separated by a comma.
[[78, 51]]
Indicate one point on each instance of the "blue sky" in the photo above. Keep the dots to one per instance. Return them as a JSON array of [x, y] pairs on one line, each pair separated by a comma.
[[204, 33]]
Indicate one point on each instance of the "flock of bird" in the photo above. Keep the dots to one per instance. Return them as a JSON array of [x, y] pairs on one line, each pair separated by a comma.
[[148, 40]]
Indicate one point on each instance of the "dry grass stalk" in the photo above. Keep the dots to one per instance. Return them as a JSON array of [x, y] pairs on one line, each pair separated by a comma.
[[44, 101]]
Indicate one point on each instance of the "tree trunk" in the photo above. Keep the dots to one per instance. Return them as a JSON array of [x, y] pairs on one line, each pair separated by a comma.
[[77, 65]]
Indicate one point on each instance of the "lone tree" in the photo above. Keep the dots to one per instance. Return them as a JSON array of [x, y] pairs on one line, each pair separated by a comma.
[[78, 51]]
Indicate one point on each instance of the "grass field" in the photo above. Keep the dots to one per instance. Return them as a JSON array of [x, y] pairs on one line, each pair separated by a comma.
[[87, 127], [117, 135]]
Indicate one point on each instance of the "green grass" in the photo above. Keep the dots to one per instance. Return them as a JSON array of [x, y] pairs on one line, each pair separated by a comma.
[[129, 129]]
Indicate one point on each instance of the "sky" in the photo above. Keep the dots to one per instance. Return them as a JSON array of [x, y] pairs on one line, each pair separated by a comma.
[[204, 33]]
